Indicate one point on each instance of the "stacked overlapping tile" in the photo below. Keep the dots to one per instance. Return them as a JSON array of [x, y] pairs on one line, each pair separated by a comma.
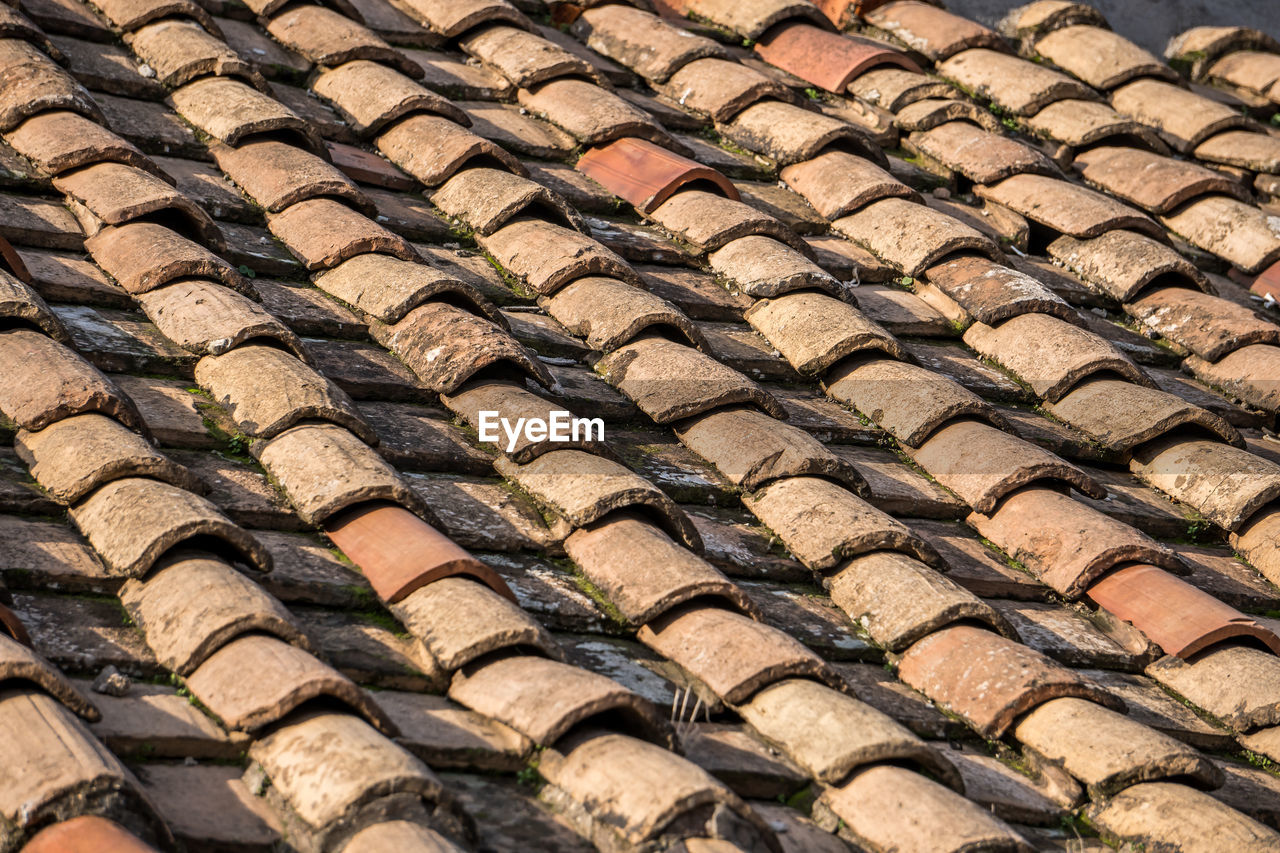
[[649, 558], [1062, 378]]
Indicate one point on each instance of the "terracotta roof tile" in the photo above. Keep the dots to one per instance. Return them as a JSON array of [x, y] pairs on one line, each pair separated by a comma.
[[31, 722], [1100, 57], [20, 305], [644, 789], [1246, 374], [873, 810], [371, 96], [1200, 47], [1203, 820], [734, 655], [907, 400], [451, 19], [130, 542], [61, 384], [980, 155], [930, 30], [277, 175], [327, 37], [476, 344], [34, 84], [720, 89], [486, 199], [911, 237], [1123, 416], [182, 51], [21, 667], [1083, 547], [116, 193], [524, 58], [591, 114], [230, 111], [76, 455], [1153, 182], [790, 134], [898, 600], [255, 680], [142, 256], [389, 288], [1225, 484], [544, 699], [1049, 354], [1078, 123], [432, 149], [895, 89], [958, 455], [61, 141], [323, 233], [460, 621], [610, 313], [86, 833], [249, 379], [347, 764], [814, 331], [641, 41], [1183, 118], [584, 488], [304, 459], [1123, 263], [193, 605], [752, 19]]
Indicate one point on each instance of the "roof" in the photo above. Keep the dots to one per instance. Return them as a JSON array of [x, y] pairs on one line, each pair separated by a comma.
[[919, 487]]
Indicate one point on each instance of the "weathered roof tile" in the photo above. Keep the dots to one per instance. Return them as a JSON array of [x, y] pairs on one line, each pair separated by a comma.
[[990, 680], [370, 96], [544, 699], [194, 604], [327, 37], [912, 237], [982, 464], [1050, 354], [277, 175], [877, 807], [180, 51], [324, 469], [591, 114], [546, 256], [1099, 56], [61, 141], [255, 680], [733, 654], [1012, 83], [230, 111], [133, 522], [1141, 813], [932, 31], [460, 620], [57, 383], [33, 84], [898, 600], [585, 488], [74, 456], [268, 391], [1079, 547]]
